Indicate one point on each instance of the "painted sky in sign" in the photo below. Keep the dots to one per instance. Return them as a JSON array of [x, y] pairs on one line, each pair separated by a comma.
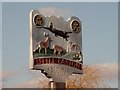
[[100, 31]]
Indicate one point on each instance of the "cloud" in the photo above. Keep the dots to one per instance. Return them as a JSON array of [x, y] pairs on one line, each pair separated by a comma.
[[38, 81], [49, 11], [4, 76], [0, 80], [0, 84], [23, 79], [109, 71], [35, 83]]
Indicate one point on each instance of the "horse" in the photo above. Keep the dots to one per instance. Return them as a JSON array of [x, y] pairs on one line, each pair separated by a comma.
[[58, 50], [45, 44], [73, 47]]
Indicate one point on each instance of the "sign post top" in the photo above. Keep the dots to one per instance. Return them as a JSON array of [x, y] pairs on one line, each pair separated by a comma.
[[55, 45]]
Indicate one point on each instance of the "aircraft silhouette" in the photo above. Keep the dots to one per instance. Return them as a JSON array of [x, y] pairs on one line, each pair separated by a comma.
[[58, 32]]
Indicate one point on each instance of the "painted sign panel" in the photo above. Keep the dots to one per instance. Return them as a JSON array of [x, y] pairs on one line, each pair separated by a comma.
[[55, 42]]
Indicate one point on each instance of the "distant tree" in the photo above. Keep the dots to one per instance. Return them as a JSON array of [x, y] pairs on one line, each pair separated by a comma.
[[91, 78]]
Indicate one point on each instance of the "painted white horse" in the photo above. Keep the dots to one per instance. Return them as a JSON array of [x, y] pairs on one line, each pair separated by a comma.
[[74, 47]]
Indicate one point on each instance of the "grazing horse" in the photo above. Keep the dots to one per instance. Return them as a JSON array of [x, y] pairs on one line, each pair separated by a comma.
[[58, 49], [44, 44]]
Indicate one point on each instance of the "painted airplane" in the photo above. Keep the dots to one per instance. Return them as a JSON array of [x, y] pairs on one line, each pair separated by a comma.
[[58, 32]]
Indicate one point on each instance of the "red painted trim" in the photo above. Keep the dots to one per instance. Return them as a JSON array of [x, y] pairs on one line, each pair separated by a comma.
[[38, 61]]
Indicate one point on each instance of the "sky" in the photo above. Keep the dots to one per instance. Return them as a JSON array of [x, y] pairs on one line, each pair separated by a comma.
[[0, 44], [100, 33], [60, 0]]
